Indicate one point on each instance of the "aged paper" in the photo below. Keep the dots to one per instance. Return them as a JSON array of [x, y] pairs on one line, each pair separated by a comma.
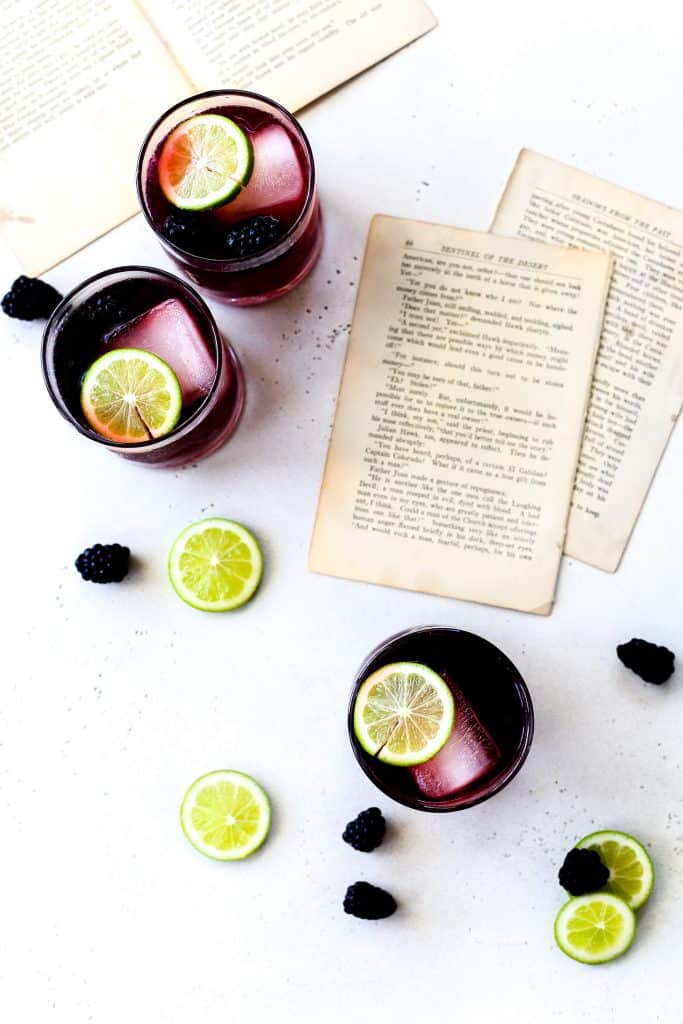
[[82, 82], [638, 386], [292, 50], [460, 414]]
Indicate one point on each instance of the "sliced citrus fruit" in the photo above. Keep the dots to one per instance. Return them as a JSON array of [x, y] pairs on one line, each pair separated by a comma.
[[205, 162], [225, 815], [215, 565], [631, 871], [403, 713], [595, 928], [130, 395]]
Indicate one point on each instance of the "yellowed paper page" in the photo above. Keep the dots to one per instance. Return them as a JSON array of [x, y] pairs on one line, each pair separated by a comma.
[[82, 82], [460, 414], [292, 50], [638, 387]]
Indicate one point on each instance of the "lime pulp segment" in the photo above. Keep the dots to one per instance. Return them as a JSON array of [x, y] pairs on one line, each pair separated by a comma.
[[403, 714], [595, 928], [226, 815], [215, 565], [205, 162], [130, 395], [631, 871]]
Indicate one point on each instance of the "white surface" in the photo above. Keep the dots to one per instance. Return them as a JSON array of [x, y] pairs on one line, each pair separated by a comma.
[[115, 698]]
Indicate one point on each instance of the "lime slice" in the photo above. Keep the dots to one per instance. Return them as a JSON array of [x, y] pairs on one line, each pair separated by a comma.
[[131, 395], [215, 565], [205, 162], [595, 928], [225, 815], [631, 871], [403, 714]]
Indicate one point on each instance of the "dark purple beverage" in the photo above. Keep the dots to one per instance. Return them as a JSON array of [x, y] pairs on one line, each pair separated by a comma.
[[148, 309], [262, 242], [494, 721]]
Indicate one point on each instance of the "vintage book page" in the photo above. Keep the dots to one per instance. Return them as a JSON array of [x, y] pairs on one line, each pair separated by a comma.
[[638, 386], [292, 50], [460, 414], [83, 80]]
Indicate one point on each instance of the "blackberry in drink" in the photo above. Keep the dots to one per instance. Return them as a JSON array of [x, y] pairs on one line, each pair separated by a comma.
[[461, 698], [227, 182], [133, 359]]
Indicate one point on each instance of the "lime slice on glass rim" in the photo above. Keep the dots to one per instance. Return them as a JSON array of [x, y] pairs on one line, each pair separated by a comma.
[[225, 815], [403, 714], [215, 565], [631, 871], [595, 928], [205, 162], [130, 395]]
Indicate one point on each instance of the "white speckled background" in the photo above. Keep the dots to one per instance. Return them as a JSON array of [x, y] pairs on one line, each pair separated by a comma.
[[115, 698]]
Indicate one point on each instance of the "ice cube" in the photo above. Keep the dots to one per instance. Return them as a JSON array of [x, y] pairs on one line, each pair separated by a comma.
[[277, 185], [470, 752], [170, 331]]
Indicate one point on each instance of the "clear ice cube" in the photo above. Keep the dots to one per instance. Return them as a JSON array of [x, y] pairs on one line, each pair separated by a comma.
[[469, 753], [277, 185], [169, 331]]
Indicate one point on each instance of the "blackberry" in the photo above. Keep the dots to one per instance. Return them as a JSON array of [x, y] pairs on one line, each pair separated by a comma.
[[29, 298], [251, 236], [103, 563], [103, 311], [652, 663], [365, 832], [368, 901], [583, 872], [188, 231]]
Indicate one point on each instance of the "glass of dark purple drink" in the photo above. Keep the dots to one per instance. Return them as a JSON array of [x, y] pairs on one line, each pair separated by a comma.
[[262, 241], [493, 725], [141, 308]]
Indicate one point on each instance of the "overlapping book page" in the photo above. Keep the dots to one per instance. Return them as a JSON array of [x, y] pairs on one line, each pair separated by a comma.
[[84, 80], [638, 387], [460, 414]]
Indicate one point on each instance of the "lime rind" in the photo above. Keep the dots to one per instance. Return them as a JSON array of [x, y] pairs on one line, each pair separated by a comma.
[[205, 162], [595, 928], [215, 565], [131, 395], [240, 796], [632, 873], [403, 714]]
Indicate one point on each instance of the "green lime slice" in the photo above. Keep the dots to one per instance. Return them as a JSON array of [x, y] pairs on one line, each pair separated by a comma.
[[403, 714], [205, 162], [225, 815], [130, 395], [595, 928], [631, 871], [215, 565]]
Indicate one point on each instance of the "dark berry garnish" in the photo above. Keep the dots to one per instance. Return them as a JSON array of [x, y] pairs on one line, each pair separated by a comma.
[[368, 901], [103, 311], [652, 663], [29, 298], [252, 236], [583, 872], [365, 832], [103, 563], [188, 231]]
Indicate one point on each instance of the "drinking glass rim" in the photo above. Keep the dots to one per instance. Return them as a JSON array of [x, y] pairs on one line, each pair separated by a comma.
[[213, 262], [442, 806], [183, 428]]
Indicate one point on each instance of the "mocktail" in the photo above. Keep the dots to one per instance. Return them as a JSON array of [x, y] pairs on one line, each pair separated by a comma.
[[490, 718], [147, 329], [227, 182]]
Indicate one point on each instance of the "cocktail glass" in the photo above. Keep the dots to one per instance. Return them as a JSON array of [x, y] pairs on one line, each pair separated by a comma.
[[494, 720], [142, 307]]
